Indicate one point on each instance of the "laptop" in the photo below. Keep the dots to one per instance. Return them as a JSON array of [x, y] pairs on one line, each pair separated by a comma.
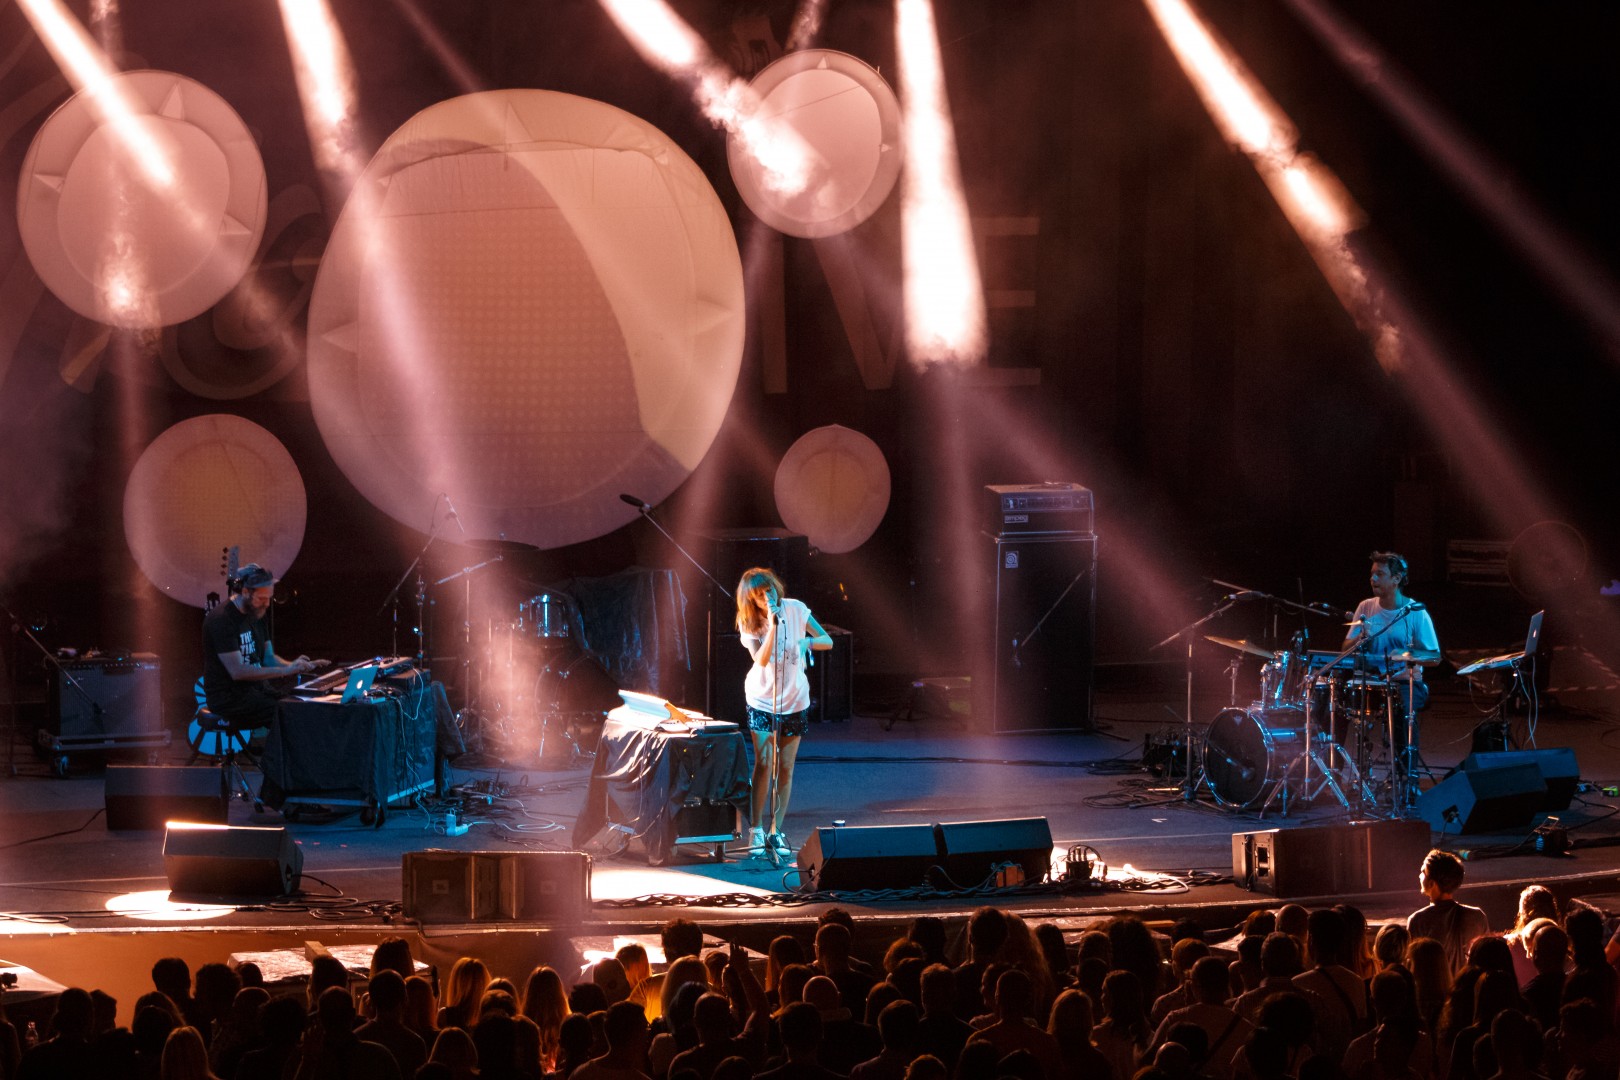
[[359, 684], [1491, 663]]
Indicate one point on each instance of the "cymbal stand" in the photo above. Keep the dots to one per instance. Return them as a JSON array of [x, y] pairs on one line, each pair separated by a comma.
[[1189, 633]]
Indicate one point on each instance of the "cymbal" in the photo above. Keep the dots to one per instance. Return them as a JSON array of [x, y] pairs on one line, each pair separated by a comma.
[[1240, 645], [1414, 656]]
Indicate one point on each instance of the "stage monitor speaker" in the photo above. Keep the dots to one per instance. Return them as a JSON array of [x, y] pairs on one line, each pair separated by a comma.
[[112, 697], [1033, 670], [1487, 800], [148, 796], [1557, 765], [972, 850], [1331, 860], [231, 861], [868, 857], [496, 886]]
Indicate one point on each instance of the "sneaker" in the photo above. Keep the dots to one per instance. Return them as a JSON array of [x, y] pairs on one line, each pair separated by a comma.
[[756, 839], [779, 841]]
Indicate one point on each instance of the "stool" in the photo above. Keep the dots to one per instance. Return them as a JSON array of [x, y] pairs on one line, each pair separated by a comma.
[[222, 742]]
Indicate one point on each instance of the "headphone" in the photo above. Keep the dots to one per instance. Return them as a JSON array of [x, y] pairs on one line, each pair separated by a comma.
[[251, 576]]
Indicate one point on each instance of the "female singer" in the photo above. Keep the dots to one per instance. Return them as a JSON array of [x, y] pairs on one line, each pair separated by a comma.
[[779, 634]]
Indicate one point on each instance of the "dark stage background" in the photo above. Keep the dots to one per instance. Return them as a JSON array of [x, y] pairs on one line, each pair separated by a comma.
[[1172, 344]]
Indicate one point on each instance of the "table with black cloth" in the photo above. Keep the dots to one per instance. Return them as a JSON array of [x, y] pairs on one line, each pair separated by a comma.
[[643, 776], [367, 753]]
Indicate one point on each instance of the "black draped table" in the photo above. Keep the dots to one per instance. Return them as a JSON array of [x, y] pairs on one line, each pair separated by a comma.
[[367, 753], [645, 777]]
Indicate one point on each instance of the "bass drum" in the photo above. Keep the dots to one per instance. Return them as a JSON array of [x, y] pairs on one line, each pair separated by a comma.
[[1246, 752]]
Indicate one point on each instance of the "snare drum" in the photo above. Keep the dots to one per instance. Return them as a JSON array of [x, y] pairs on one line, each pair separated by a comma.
[[1246, 752]]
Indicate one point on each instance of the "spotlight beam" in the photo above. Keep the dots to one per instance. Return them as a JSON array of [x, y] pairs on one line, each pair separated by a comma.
[[1324, 216], [1559, 258], [666, 42], [943, 295]]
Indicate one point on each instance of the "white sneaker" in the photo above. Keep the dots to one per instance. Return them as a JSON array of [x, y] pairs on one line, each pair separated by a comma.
[[756, 838], [779, 841]]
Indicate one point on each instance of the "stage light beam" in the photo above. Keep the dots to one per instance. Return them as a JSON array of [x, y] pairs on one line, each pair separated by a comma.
[[943, 295], [325, 77], [666, 42], [90, 73]]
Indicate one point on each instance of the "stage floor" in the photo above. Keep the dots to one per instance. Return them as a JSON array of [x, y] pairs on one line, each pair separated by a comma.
[[64, 878]]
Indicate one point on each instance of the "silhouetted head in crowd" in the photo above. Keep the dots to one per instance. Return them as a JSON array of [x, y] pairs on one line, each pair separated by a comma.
[[1134, 950], [283, 1020], [711, 1016], [104, 1011], [608, 973], [334, 1010], [1015, 996], [1489, 952], [879, 998], [978, 1061], [833, 942], [172, 976], [393, 954], [1535, 902], [1259, 923], [680, 937], [938, 985], [1183, 929], [790, 985], [387, 991], [900, 1027], [574, 1039], [1210, 981], [899, 951], [325, 973], [184, 1054], [250, 974], [1292, 920], [733, 1068], [1585, 929], [1021, 1065], [1325, 937], [587, 998], [923, 1067], [987, 933], [217, 985], [151, 1029], [1268, 1054], [1549, 950], [626, 1028], [1053, 949], [1279, 956], [495, 1039], [1393, 998], [1442, 875], [75, 1015], [1389, 947], [633, 959]]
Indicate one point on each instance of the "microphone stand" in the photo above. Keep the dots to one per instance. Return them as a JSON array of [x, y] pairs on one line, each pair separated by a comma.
[[1189, 786], [708, 644], [393, 595]]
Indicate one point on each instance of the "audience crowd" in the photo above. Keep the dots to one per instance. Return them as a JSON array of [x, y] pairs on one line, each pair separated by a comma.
[[1312, 995]]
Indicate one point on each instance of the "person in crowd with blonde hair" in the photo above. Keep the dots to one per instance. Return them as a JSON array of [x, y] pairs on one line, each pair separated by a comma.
[[463, 993]]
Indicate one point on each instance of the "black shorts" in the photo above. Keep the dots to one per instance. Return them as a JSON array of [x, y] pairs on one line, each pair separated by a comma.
[[790, 725]]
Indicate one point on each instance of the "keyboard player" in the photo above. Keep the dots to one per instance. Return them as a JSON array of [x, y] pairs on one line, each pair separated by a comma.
[[239, 660], [1399, 634]]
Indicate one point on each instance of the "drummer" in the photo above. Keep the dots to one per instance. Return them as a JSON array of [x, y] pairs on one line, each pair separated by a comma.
[[1392, 623]]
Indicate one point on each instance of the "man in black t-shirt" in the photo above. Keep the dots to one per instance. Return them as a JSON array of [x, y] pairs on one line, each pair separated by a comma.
[[239, 660]]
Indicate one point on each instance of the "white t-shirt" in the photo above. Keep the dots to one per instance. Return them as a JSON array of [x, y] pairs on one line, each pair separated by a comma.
[[779, 685], [1392, 633]]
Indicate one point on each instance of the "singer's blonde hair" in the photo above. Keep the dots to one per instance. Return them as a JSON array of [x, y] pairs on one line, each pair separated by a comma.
[[750, 620]]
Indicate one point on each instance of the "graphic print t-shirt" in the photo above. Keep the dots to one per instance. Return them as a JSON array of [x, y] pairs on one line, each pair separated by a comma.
[[780, 685], [226, 629]]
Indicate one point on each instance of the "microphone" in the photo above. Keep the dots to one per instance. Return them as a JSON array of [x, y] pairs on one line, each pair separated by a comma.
[[635, 502], [450, 509], [1241, 594], [1415, 606]]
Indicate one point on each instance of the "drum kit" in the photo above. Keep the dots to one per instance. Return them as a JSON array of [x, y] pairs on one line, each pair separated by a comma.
[[1326, 723]]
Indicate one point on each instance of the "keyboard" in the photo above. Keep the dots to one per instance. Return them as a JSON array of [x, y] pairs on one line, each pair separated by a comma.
[[335, 678]]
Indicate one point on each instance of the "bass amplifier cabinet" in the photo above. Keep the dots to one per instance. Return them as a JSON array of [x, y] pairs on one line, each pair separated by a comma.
[[1331, 860], [1032, 664], [1038, 510], [496, 886], [114, 698]]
